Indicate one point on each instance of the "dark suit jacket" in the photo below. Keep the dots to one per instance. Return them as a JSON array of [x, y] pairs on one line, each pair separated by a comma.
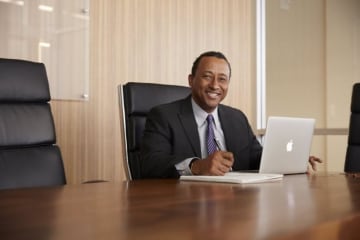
[[171, 135]]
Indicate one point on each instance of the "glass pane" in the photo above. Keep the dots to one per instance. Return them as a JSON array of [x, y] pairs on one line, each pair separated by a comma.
[[313, 59], [53, 32], [295, 63]]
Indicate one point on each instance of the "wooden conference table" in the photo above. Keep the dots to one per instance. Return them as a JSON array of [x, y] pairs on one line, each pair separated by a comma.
[[323, 206]]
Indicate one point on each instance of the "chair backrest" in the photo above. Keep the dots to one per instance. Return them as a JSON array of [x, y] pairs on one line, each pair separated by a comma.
[[352, 160], [136, 100], [28, 154]]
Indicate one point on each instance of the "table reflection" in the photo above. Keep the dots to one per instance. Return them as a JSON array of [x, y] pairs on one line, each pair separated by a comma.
[[281, 204]]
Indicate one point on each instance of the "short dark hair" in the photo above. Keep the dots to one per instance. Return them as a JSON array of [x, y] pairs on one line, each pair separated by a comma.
[[209, 54]]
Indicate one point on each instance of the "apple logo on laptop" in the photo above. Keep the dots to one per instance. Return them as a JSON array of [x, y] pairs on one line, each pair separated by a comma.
[[289, 146]]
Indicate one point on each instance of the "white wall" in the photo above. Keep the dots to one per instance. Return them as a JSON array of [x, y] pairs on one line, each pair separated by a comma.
[[313, 52]]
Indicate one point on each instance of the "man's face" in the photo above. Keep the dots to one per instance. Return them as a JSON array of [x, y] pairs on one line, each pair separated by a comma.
[[210, 84]]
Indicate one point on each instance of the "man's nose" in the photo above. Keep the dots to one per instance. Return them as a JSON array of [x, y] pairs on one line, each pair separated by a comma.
[[214, 83]]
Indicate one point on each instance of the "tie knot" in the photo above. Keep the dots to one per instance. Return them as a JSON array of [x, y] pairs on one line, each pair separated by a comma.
[[210, 118]]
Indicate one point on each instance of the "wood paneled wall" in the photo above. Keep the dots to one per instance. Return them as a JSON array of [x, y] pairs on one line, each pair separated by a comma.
[[149, 41]]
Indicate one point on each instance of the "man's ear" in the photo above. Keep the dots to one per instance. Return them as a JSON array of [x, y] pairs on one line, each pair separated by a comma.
[[190, 80]]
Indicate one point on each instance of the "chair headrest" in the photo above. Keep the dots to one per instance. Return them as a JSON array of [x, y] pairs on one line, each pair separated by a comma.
[[23, 81], [355, 99], [141, 97]]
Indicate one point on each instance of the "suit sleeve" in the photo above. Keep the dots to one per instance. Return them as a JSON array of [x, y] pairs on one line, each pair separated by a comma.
[[157, 158], [255, 148], [240, 139], [255, 153]]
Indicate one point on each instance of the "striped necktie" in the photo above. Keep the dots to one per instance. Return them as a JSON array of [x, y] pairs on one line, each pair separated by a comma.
[[210, 136]]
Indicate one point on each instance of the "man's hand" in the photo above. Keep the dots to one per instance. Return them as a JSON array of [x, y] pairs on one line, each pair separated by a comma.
[[218, 163], [313, 162]]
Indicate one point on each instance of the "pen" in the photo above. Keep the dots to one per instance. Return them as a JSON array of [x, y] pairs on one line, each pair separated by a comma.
[[218, 144], [220, 148]]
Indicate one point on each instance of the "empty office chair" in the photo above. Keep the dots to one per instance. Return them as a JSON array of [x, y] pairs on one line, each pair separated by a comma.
[[352, 160], [136, 100], [28, 154]]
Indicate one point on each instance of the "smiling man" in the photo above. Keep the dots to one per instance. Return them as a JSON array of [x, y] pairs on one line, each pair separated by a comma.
[[198, 135], [180, 138]]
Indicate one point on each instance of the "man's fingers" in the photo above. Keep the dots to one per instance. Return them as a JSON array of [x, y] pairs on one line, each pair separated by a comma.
[[315, 159], [313, 162], [228, 155], [220, 162]]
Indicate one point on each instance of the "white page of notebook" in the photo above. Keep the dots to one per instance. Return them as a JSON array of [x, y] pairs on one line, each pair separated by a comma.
[[235, 177]]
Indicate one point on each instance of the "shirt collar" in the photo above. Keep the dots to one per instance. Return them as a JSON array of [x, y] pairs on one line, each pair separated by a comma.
[[201, 115]]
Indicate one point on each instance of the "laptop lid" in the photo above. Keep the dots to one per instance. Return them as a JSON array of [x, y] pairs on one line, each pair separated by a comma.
[[287, 145]]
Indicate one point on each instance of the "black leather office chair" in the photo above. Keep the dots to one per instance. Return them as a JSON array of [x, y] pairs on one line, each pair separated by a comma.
[[28, 154], [352, 160], [136, 100]]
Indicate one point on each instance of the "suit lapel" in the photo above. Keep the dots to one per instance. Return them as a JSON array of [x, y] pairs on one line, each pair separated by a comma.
[[235, 136], [188, 122], [229, 129]]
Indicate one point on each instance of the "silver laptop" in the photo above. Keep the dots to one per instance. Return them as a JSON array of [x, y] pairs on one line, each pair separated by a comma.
[[287, 145]]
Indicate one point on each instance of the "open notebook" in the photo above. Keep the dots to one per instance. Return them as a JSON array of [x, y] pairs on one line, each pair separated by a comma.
[[236, 177]]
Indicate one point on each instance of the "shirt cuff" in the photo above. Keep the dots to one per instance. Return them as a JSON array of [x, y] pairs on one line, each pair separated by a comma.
[[183, 167]]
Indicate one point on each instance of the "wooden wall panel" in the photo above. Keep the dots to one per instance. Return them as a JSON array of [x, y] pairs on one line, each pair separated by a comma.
[[149, 41]]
